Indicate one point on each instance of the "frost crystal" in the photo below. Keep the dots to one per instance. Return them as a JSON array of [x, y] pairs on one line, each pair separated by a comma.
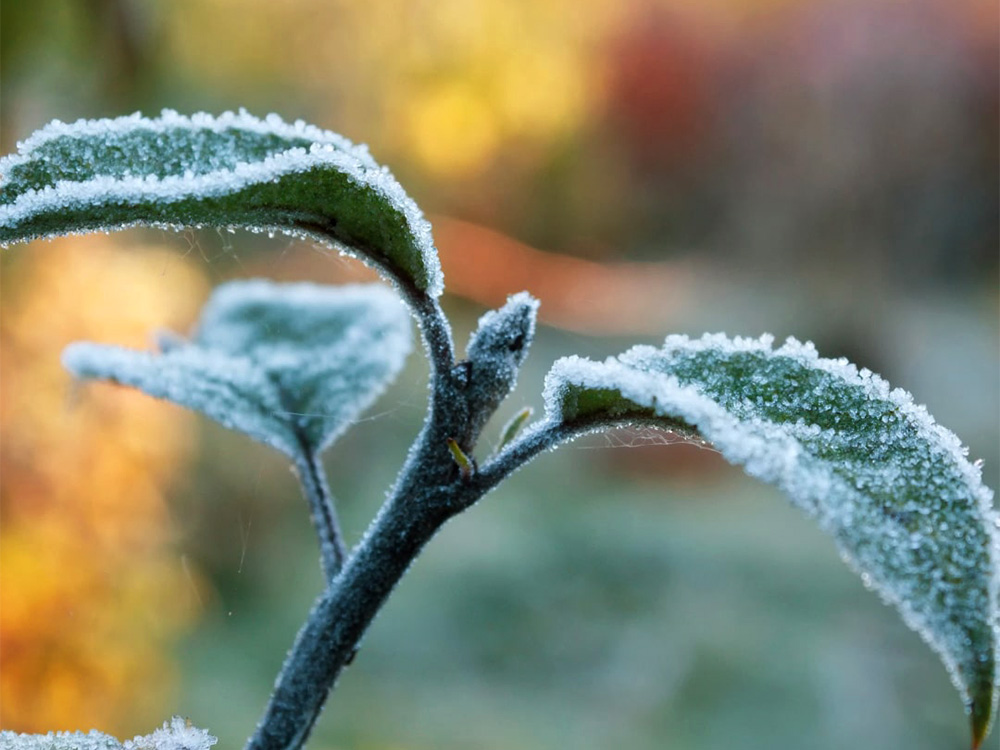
[[290, 365], [226, 171], [496, 350], [175, 734], [908, 510]]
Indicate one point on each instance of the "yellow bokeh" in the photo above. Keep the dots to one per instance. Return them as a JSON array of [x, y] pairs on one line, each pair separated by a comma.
[[450, 84], [90, 591], [452, 129]]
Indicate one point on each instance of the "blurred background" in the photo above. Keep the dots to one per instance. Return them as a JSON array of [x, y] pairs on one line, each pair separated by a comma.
[[825, 169]]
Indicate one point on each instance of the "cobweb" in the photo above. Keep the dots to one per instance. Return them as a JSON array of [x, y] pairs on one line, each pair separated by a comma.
[[643, 437]]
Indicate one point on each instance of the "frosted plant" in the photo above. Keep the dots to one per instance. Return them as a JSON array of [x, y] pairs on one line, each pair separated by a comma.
[[175, 734], [288, 365], [292, 365]]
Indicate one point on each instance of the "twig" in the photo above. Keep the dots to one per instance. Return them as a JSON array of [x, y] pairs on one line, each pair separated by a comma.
[[312, 479]]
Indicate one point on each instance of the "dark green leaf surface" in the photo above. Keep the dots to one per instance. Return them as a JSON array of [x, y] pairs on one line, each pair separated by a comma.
[[907, 509], [230, 171]]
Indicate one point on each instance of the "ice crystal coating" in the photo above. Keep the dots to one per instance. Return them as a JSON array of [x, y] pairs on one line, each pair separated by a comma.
[[909, 512], [175, 734], [500, 343], [495, 352], [234, 170], [290, 365]]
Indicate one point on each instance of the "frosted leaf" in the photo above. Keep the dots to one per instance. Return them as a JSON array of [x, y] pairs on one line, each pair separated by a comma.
[[290, 365], [229, 171], [92, 740], [175, 734], [908, 510]]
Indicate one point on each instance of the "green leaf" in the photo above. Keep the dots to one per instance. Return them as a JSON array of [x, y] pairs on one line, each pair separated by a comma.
[[907, 509], [290, 365], [176, 734], [230, 171], [512, 427]]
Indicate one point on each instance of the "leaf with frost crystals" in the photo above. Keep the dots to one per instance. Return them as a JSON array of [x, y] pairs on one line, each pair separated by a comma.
[[175, 734], [290, 365], [231, 171], [908, 510]]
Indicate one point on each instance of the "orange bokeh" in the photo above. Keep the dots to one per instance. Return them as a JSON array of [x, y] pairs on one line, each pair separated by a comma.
[[576, 294], [90, 590]]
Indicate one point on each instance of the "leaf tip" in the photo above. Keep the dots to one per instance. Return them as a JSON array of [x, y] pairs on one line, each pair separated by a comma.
[[981, 717], [76, 358], [513, 427], [463, 461]]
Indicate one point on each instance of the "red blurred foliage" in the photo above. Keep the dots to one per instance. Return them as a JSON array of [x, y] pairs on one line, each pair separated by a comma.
[[659, 87]]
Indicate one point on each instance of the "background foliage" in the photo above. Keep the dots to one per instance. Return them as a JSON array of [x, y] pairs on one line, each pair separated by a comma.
[[817, 168]]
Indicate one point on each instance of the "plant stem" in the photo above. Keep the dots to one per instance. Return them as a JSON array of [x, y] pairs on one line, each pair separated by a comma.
[[517, 453], [342, 614], [312, 479], [435, 331], [417, 507], [546, 435], [431, 488]]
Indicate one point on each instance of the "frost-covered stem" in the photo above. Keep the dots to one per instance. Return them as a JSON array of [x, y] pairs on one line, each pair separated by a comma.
[[312, 478], [342, 614], [430, 489], [542, 437], [434, 329], [520, 451]]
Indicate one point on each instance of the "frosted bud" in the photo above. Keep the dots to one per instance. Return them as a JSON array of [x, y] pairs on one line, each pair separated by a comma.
[[496, 351]]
